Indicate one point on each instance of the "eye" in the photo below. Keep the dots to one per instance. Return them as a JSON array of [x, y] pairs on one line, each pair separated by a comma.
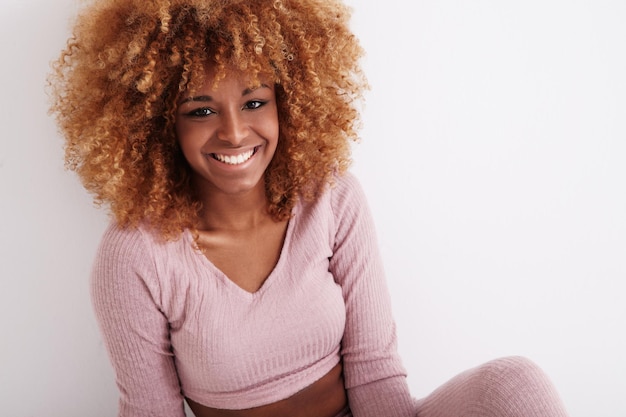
[[200, 112], [254, 104]]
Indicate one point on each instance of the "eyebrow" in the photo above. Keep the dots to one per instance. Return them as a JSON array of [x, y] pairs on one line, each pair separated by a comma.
[[207, 98]]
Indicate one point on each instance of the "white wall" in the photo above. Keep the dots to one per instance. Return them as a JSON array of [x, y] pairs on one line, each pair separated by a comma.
[[493, 156]]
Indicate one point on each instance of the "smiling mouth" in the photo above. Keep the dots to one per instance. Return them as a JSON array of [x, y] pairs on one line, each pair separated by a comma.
[[235, 159]]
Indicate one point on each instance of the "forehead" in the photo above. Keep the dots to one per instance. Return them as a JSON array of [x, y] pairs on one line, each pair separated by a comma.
[[215, 77], [227, 86]]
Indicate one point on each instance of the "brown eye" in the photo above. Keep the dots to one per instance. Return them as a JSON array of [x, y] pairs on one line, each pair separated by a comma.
[[254, 104], [200, 112]]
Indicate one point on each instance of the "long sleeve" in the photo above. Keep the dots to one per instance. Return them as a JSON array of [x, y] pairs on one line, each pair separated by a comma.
[[374, 376], [134, 329]]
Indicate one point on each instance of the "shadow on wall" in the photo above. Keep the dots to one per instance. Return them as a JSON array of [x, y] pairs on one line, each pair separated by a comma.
[[53, 362]]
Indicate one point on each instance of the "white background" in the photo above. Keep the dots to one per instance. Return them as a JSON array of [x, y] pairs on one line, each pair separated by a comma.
[[493, 156]]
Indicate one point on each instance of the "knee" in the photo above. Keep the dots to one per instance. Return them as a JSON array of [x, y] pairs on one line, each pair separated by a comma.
[[515, 382], [506, 387], [511, 373], [511, 366]]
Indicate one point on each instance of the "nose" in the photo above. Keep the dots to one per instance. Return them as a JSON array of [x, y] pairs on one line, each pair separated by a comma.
[[233, 128]]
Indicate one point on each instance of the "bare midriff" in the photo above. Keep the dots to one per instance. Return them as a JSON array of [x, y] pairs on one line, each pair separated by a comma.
[[326, 397]]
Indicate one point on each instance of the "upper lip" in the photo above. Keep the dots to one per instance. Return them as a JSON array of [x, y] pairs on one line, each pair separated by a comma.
[[232, 152]]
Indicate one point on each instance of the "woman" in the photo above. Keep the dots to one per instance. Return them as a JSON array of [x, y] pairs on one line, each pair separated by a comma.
[[240, 272]]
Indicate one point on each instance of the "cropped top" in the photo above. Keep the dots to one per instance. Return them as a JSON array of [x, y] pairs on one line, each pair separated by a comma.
[[175, 326]]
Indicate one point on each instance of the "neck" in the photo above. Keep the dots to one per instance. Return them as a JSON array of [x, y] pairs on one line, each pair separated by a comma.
[[240, 211]]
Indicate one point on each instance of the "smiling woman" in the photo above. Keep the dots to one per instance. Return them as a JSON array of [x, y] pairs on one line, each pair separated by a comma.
[[122, 142], [228, 132], [240, 272]]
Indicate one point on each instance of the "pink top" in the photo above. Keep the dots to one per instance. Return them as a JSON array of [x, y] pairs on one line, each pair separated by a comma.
[[176, 326]]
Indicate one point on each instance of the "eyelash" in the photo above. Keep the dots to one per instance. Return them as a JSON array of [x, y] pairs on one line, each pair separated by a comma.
[[206, 111], [257, 104], [200, 112]]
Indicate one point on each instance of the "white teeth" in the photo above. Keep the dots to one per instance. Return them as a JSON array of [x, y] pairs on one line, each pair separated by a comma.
[[234, 159]]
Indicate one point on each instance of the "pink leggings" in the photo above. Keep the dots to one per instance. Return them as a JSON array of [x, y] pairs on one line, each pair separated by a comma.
[[507, 387]]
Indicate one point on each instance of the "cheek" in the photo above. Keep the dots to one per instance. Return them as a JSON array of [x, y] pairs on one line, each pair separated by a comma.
[[180, 135], [188, 146], [274, 132], [187, 136], [272, 129]]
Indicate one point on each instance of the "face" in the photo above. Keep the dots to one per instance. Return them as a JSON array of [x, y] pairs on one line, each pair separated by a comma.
[[228, 133]]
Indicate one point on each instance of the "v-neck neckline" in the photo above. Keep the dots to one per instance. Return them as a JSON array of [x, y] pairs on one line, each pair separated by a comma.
[[229, 283]]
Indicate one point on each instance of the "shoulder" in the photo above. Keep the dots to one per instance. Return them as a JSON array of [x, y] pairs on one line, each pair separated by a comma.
[[122, 253], [346, 186], [347, 197], [131, 240], [342, 197], [344, 208], [135, 266], [125, 266], [128, 250], [119, 243]]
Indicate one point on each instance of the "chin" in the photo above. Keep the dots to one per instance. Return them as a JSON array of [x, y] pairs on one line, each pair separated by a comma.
[[236, 187]]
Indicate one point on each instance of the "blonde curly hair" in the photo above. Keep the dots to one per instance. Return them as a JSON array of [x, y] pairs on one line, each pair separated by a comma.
[[116, 85]]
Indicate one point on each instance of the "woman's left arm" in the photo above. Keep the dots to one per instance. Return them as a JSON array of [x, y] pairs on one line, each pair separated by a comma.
[[374, 376]]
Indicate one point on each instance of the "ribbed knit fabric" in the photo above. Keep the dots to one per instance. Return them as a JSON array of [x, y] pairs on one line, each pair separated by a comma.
[[176, 326], [506, 387]]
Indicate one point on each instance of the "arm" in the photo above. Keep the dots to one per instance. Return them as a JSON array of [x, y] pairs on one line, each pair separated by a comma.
[[374, 376], [125, 297]]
